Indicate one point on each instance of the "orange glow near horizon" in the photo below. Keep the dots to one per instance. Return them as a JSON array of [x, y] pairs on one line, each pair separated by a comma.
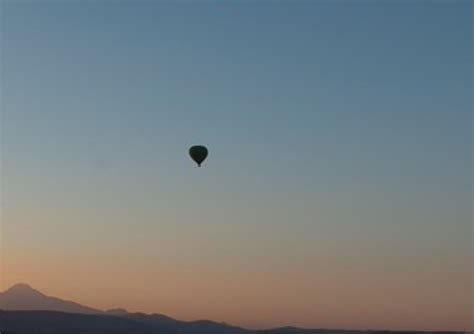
[[253, 299]]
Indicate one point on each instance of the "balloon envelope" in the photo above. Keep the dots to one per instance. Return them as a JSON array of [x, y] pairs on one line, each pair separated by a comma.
[[198, 153]]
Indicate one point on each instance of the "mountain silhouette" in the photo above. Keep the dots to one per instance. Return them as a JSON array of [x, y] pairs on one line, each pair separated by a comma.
[[117, 311], [22, 297], [24, 310], [50, 322]]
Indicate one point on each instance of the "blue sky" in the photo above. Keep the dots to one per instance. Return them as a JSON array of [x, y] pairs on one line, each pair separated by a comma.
[[338, 133]]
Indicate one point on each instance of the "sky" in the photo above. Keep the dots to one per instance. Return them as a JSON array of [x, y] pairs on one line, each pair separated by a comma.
[[338, 188]]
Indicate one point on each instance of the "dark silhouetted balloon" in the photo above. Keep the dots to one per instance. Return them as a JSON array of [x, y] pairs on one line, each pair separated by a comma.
[[198, 153]]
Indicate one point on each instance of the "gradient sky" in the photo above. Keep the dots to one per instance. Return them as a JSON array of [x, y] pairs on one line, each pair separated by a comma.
[[338, 190]]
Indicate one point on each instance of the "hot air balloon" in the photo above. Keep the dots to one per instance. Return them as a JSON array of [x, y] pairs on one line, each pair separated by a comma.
[[198, 153]]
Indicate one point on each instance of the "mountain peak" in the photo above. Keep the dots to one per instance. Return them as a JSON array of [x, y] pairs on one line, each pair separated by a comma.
[[21, 296], [23, 289]]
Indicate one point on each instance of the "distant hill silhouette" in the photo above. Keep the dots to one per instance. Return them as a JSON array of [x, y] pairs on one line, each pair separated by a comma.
[[50, 322], [24, 310], [117, 311], [22, 297]]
